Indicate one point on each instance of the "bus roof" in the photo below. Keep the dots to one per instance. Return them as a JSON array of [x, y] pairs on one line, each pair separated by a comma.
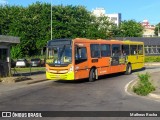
[[107, 41], [132, 42], [98, 41], [59, 42]]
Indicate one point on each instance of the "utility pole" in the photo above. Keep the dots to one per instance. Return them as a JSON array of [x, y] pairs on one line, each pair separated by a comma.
[[51, 19], [158, 30]]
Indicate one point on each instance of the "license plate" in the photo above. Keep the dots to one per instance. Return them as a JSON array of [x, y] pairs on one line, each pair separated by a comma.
[[58, 76]]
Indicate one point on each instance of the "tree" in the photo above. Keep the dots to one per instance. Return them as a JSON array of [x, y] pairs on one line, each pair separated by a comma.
[[33, 25], [130, 28], [9, 19], [70, 21], [105, 27], [157, 28]]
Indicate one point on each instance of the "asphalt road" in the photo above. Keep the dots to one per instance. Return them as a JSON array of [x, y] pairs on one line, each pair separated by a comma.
[[106, 94]]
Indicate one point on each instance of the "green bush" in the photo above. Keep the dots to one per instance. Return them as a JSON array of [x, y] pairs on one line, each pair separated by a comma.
[[152, 58], [144, 86]]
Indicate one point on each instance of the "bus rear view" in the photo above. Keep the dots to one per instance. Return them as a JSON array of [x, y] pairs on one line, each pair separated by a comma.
[[59, 60]]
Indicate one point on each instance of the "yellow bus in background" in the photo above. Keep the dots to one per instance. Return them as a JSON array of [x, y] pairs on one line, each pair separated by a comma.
[[134, 52]]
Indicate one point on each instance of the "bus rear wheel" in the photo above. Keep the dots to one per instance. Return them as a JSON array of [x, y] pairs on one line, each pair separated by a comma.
[[92, 75], [128, 69]]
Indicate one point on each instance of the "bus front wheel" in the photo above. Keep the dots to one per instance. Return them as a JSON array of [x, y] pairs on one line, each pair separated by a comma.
[[92, 75], [128, 69]]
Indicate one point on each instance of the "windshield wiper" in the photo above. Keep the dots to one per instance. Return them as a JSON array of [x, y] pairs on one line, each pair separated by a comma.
[[61, 52]]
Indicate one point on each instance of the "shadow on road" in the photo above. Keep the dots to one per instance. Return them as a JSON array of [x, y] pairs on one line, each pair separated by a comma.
[[29, 73], [72, 81], [87, 81], [99, 78], [139, 70]]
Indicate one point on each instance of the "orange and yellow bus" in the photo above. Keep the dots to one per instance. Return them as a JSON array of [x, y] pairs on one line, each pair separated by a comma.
[[73, 59]]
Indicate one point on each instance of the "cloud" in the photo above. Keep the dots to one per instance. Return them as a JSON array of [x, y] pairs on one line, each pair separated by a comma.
[[3, 2]]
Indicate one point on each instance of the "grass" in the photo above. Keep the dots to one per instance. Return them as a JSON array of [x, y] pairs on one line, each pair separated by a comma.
[[152, 58], [27, 69], [144, 86]]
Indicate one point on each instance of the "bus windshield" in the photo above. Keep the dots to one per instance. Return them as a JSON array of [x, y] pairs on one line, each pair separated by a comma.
[[59, 55]]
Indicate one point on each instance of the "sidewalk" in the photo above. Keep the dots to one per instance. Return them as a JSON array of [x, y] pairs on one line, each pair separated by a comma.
[[155, 77], [152, 64], [154, 71], [24, 79], [12, 83]]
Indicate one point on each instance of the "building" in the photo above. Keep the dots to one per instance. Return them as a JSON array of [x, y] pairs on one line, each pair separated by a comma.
[[148, 32], [5, 60], [148, 29], [151, 44], [115, 18]]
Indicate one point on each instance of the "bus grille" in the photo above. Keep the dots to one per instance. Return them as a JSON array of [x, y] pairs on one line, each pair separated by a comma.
[[58, 76]]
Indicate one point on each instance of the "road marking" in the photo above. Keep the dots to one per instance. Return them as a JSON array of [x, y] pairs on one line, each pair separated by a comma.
[[151, 96], [154, 95], [127, 85]]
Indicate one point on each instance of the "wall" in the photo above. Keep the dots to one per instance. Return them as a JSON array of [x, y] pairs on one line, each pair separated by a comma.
[[4, 63]]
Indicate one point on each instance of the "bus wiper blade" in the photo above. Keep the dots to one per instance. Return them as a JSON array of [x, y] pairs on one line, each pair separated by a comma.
[[61, 52]]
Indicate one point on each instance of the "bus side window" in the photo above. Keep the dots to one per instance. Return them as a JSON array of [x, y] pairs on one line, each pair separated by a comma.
[[80, 54], [140, 49], [95, 50], [125, 50], [83, 53], [105, 50], [116, 50], [133, 49]]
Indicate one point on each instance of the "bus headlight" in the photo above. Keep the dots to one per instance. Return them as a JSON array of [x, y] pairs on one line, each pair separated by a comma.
[[63, 71], [47, 69], [71, 69]]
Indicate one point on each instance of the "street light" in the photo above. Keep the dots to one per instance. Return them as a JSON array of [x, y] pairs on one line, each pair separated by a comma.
[[51, 19], [158, 31]]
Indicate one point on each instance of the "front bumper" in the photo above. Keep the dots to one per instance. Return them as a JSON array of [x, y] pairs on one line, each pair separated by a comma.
[[65, 76]]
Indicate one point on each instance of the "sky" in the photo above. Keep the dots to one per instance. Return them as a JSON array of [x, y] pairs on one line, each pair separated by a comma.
[[130, 9]]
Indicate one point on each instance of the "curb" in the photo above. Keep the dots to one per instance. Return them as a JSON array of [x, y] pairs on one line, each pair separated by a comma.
[[13, 80], [153, 64], [22, 82], [154, 96], [129, 87]]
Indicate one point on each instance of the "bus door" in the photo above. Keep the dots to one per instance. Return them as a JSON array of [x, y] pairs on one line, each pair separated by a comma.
[[134, 56], [81, 63], [140, 59], [125, 52], [117, 58], [105, 59], [116, 53]]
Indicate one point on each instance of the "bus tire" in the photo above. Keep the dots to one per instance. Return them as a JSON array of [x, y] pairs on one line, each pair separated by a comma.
[[92, 75], [128, 69]]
